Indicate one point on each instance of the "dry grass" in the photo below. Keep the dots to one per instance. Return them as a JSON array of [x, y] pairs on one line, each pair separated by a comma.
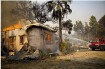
[[84, 55], [70, 61]]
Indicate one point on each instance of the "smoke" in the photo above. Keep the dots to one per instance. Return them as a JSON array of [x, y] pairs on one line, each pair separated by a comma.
[[7, 18], [73, 39]]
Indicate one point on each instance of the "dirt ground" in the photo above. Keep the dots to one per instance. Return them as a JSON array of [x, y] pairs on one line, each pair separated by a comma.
[[75, 60]]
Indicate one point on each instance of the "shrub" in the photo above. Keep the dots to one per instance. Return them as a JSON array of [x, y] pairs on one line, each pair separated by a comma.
[[65, 47], [44, 53]]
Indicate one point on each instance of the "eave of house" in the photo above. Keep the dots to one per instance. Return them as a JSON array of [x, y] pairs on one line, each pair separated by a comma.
[[41, 26]]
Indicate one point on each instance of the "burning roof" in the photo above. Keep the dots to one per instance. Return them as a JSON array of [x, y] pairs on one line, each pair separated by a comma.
[[12, 27], [20, 25]]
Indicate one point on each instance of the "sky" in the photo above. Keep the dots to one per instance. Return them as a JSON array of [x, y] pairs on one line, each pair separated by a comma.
[[81, 10], [84, 9]]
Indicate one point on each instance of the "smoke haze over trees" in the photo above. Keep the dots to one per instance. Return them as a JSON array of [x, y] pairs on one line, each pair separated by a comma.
[[6, 17], [93, 29]]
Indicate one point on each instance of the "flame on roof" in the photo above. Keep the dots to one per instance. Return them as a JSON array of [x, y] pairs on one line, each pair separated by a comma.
[[19, 25], [12, 27]]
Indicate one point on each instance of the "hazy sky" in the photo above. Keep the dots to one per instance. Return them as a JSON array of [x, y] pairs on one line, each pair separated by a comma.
[[83, 10]]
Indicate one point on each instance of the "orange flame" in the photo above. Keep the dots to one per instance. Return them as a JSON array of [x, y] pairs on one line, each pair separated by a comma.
[[15, 26]]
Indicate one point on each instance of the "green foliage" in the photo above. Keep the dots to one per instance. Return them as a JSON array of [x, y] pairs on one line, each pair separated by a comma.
[[91, 30], [79, 27], [101, 28], [68, 25], [102, 21], [92, 21], [87, 28], [59, 8], [65, 47], [26, 9], [101, 31], [45, 53], [87, 31], [93, 26]]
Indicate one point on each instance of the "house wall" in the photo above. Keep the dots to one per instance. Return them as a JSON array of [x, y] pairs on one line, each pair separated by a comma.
[[35, 38], [53, 46], [6, 39], [16, 33], [38, 38]]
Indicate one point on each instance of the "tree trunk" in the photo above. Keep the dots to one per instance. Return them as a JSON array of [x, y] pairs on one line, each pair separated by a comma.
[[60, 32]]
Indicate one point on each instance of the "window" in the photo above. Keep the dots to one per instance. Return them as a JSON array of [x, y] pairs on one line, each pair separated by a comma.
[[12, 43], [21, 40], [48, 37], [11, 40]]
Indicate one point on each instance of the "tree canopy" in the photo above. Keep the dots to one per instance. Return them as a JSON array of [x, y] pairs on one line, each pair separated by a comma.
[[101, 27], [93, 29], [48, 11], [68, 25], [102, 21]]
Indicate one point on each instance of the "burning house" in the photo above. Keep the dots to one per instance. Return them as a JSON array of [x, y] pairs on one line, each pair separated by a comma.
[[36, 35]]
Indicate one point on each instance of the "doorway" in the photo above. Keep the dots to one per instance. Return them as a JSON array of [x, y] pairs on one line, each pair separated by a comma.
[[12, 45]]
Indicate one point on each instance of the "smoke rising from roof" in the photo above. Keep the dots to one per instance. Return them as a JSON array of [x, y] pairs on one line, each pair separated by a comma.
[[7, 18]]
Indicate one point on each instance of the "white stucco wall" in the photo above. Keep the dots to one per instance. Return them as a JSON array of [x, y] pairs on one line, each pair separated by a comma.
[[17, 33], [35, 38]]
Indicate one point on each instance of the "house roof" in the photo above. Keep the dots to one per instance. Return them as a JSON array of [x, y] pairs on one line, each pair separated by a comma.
[[40, 26], [19, 25], [12, 27]]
